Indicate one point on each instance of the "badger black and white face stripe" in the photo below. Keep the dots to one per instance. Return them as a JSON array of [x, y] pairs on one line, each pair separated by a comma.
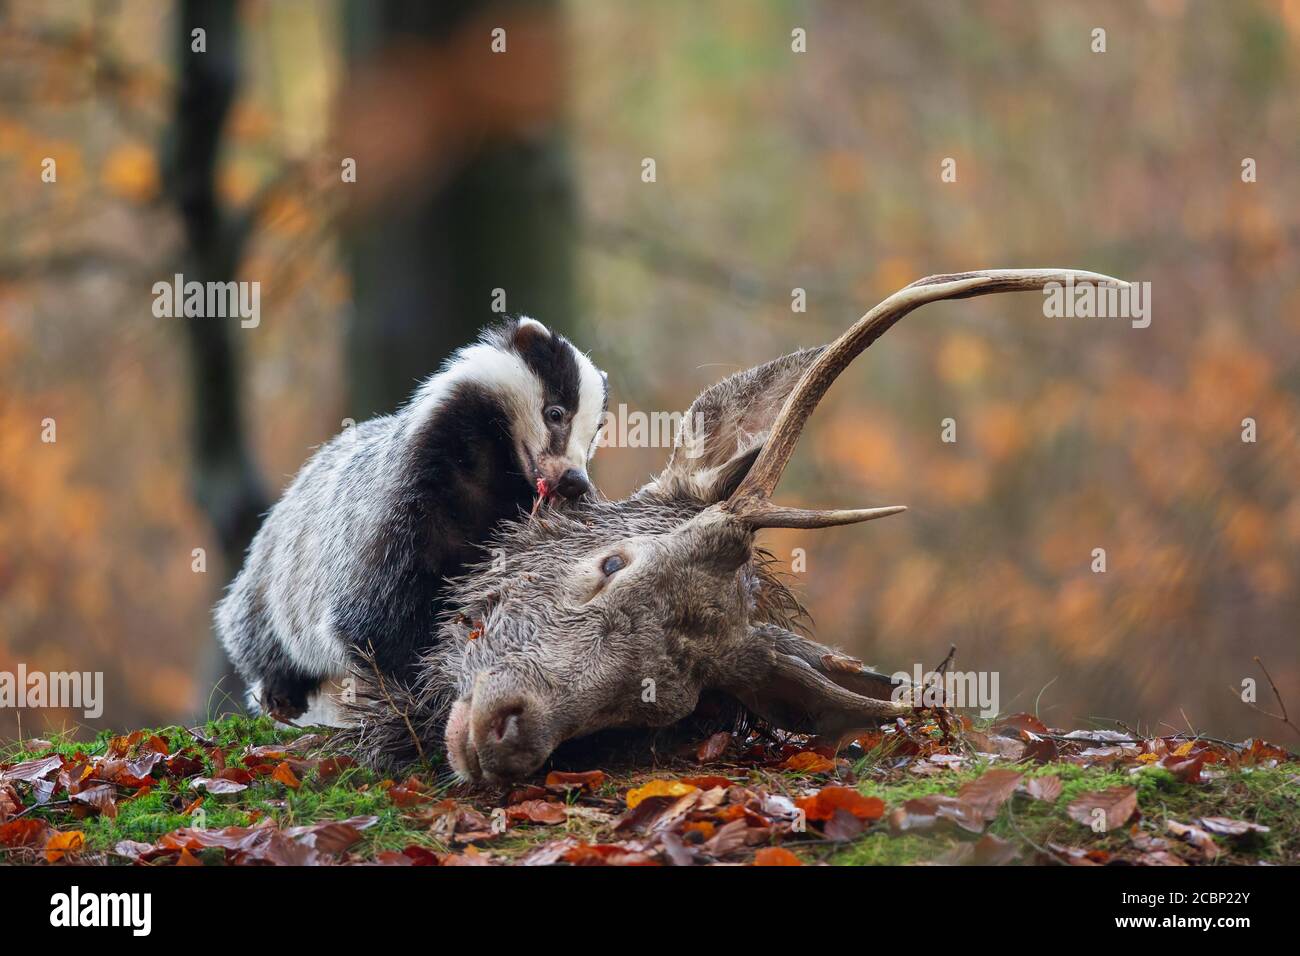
[[574, 390], [553, 395]]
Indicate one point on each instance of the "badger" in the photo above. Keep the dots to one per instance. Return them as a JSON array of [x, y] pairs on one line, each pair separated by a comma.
[[348, 571]]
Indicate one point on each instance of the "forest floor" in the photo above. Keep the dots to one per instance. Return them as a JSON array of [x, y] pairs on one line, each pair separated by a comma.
[[244, 791]]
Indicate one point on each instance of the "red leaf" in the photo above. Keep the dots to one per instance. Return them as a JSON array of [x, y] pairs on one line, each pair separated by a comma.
[[537, 811], [587, 779], [823, 804], [776, 856]]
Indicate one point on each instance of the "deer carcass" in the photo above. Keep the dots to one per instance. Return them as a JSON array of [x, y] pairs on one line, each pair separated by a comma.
[[622, 613]]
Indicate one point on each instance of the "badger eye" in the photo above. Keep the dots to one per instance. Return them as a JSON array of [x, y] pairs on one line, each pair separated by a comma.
[[611, 564], [554, 414]]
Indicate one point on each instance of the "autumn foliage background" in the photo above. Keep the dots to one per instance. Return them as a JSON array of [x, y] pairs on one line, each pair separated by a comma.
[[775, 170]]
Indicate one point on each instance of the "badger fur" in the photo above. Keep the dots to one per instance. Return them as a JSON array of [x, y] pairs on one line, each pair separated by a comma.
[[351, 563]]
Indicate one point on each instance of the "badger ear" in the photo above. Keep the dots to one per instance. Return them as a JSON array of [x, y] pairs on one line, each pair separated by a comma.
[[528, 332], [723, 430]]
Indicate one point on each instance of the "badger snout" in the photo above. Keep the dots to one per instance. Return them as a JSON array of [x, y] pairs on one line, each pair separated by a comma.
[[497, 738], [560, 481], [572, 484]]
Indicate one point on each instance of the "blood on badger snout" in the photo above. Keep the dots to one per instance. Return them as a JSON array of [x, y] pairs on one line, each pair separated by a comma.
[[351, 563]]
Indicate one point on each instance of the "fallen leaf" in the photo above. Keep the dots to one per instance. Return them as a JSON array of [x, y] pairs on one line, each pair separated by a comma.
[[823, 804], [587, 779], [1196, 837], [988, 850], [923, 813], [809, 761], [285, 775], [62, 843], [714, 747], [843, 827], [707, 782], [989, 791], [1226, 826], [1045, 788], [101, 798], [776, 856], [657, 788], [1110, 808], [32, 769], [537, 811], [217, 785], [10, 802], [23, 832], [1020, 722]]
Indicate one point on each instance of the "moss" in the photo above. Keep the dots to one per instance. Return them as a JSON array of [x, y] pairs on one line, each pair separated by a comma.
[[1265, 796]]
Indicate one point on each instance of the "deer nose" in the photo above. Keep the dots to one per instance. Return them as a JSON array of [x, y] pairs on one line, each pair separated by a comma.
[[572, 484], [508, 739]]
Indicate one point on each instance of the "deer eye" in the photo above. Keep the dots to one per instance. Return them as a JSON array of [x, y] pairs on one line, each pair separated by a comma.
[[554, 414], [611, 564]]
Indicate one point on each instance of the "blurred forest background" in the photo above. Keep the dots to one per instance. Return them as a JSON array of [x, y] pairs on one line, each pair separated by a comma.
[[774, 170]]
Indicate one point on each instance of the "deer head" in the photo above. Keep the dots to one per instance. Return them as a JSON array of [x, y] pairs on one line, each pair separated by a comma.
[[621, 613]]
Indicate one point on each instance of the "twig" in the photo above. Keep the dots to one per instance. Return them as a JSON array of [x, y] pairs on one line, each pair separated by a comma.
[[1276, 693], [947, 661], [406, 717]]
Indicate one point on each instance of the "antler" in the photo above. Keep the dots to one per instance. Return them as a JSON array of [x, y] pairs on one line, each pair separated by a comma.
[[750, 501]]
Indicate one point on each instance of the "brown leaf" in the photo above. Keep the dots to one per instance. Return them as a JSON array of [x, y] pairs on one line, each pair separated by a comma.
[[1019, 722], [1078, 856], [100, 798], [658, 813], [923, 813], [1160, 858], [1255, 751], [1226, 826], [537, 811], [729, 838], [10, 802], [24, 832], [217, 785], [710, 782], [1110, 808], [284, 774], [714, 747], [988, 792], [843, 827], [32, 769], [1196, 837], [809, 761], [587, 779], [988, 850], [1046, 788]]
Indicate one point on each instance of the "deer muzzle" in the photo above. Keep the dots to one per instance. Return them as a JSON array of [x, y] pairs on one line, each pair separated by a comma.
[[497, 735]]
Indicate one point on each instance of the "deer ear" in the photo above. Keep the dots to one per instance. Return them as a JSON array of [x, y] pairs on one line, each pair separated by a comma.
[[799, 685], [721, 433]]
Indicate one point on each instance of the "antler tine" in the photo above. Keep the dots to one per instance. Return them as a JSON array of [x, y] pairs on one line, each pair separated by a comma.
[[750, 501], [775, 516]]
